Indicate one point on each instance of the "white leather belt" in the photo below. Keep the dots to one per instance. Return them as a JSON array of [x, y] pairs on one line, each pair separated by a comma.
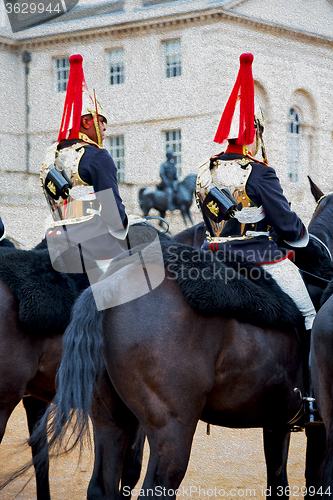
[[249, 215], [247, 236]]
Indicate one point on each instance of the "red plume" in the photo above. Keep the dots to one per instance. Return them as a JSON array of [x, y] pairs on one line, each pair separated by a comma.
[[73, 102], [243, 90]]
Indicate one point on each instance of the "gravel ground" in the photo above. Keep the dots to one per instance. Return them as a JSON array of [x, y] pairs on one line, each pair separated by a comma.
[[229, 460]]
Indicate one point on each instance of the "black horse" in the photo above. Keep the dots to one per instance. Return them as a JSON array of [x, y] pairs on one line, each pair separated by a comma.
[[173, 363], [30, 357], [154, 198], [29, 360], [322, 345]]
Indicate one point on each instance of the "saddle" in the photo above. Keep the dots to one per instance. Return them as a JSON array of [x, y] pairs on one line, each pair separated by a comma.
[[213, 285]]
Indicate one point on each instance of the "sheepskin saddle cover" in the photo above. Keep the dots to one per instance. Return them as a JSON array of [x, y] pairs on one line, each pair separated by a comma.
[[45, 297], [235, 289]]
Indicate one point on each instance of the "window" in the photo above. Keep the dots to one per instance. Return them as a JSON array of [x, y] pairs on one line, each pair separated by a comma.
[[294, 146], [61, 72], [173, 142], [172, 51], [117, 151], [116, 67]]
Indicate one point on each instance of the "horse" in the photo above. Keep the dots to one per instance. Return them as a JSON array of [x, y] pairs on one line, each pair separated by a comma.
[[28, 365], [116, 431], [321, 343], [173, 363], [155, 198], [34, 407]]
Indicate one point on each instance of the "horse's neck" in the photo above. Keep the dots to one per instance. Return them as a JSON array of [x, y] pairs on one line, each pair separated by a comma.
[[322, 230]]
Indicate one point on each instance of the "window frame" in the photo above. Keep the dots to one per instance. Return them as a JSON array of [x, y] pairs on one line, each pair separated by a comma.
[[175, 144], [294, 146], [172, 60], [119, 160], [119, 73], [59, 86]]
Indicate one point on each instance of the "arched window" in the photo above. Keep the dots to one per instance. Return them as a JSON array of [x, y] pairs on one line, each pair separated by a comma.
[[294, 146]]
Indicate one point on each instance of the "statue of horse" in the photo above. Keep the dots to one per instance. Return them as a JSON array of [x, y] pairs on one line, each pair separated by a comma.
[[226, 360], [155, 198]]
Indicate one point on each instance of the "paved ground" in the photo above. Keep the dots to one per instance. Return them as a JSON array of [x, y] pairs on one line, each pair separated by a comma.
[[229, 460]]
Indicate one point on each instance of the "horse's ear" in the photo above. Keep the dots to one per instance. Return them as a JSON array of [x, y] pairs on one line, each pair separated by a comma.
[[317, 193]]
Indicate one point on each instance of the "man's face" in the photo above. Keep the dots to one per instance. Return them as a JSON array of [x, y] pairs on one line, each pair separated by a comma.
[[102, 127], [88, 127]]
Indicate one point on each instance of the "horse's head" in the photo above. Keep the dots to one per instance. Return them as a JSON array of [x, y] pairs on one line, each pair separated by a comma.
[[317, 193], [189, 182]]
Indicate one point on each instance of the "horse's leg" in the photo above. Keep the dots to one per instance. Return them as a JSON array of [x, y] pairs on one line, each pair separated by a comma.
[[162, 214], [184, 213], [170, 448], [189, 215], [35, 408], [276, 447], [133, 459], [315, 452], [114, 431]]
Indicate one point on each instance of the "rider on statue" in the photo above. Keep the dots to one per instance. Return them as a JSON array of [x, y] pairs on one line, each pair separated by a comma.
[[169, 176], [79, 179], [241, 198]]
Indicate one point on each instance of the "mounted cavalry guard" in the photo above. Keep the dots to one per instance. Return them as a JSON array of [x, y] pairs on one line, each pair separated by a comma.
[[169, 176], [79, 179], [241, 198]]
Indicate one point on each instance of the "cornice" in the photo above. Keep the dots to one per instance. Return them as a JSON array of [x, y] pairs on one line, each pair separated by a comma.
[[9, 44], [176, 21]]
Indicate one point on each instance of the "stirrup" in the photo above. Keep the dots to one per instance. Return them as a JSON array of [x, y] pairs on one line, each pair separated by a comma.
[[311, 414]]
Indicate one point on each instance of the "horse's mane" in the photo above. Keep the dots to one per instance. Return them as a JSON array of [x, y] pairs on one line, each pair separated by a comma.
[[189, 235], [313, 258], [323, 221]]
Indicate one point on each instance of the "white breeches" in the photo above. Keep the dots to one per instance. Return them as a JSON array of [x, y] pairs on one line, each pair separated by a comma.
[[288, 277]]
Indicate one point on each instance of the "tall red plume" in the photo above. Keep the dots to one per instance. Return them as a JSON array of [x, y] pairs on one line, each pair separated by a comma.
[[244, 91], [73, 101]]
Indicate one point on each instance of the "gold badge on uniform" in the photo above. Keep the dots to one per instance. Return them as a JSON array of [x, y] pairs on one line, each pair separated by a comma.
[[212, 207], [51, 187]]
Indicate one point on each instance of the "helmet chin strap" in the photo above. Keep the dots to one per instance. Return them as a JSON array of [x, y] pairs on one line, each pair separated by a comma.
[[96, 123]]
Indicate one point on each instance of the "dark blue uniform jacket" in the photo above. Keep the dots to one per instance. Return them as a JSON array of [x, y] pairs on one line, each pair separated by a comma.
[[97, 169], [263, 188]]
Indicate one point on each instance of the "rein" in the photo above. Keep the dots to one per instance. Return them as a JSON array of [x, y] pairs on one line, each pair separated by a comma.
[[322, 244], [156, 217]]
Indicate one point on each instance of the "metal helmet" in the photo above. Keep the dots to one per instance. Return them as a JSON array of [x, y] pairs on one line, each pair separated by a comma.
[[78, 103]]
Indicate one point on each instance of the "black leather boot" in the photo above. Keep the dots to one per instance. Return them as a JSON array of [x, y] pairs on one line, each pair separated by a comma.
[[311, 413]]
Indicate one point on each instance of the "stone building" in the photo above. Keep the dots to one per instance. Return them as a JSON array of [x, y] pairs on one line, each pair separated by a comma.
[[163, 71]]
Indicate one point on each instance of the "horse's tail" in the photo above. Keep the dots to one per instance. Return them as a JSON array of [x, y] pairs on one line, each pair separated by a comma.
[[81, 363]]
